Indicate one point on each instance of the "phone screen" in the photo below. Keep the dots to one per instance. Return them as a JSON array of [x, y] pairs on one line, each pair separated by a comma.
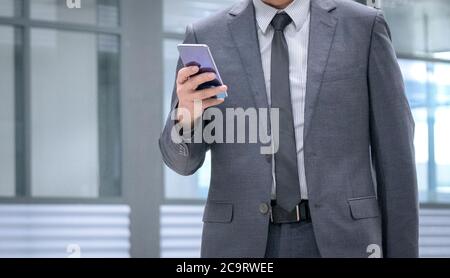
[[199, 55]]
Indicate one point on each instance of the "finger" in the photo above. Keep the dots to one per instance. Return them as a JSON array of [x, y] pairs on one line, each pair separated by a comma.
[[210, 92], [211, 102], [186, 72], [199, 79]]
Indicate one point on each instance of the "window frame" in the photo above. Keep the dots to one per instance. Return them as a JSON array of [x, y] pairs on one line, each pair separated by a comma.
[[22, 24], [432, 199]]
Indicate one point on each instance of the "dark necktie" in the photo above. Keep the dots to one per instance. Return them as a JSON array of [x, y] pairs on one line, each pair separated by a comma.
[[286, 171]]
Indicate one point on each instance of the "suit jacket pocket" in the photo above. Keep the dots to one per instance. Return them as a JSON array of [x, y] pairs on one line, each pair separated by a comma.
[[218, 212], [363, 207]]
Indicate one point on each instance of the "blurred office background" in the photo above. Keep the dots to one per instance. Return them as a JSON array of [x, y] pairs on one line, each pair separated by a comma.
[[83, 97]]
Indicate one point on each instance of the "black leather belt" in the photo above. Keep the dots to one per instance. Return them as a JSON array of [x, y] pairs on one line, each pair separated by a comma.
[[280, 216]]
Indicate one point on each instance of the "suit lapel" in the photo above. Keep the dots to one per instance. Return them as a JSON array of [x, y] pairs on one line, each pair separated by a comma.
[[242, 25], [322, 29]]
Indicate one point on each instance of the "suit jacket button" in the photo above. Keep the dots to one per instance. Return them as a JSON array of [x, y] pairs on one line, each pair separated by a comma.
[[269, 158], [263, 208]]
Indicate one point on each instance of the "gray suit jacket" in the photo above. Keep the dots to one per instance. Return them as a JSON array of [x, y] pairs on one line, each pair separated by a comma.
[[358, 141]]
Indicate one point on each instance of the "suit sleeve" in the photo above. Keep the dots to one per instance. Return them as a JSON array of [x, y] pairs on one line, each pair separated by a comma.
[[392, 136], [180, 155]]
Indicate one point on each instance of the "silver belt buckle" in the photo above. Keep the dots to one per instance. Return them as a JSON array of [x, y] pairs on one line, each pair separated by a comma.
[[271, 214], [297, 211]]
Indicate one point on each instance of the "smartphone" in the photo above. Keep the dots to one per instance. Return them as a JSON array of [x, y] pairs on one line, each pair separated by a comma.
[[200, 55]]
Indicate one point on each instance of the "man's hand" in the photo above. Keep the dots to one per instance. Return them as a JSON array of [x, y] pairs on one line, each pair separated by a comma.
[[188, 95]]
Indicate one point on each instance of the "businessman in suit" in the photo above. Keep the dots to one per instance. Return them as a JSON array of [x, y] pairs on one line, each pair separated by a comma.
[[343, 181]]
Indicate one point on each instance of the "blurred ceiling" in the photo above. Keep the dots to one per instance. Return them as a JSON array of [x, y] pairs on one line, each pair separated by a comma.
[[417, 26], [179, 13]]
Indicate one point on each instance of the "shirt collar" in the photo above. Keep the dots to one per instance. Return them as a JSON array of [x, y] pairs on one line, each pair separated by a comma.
[[298, 10]]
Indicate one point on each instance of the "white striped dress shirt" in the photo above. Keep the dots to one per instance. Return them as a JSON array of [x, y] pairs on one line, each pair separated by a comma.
[[297, 38]]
